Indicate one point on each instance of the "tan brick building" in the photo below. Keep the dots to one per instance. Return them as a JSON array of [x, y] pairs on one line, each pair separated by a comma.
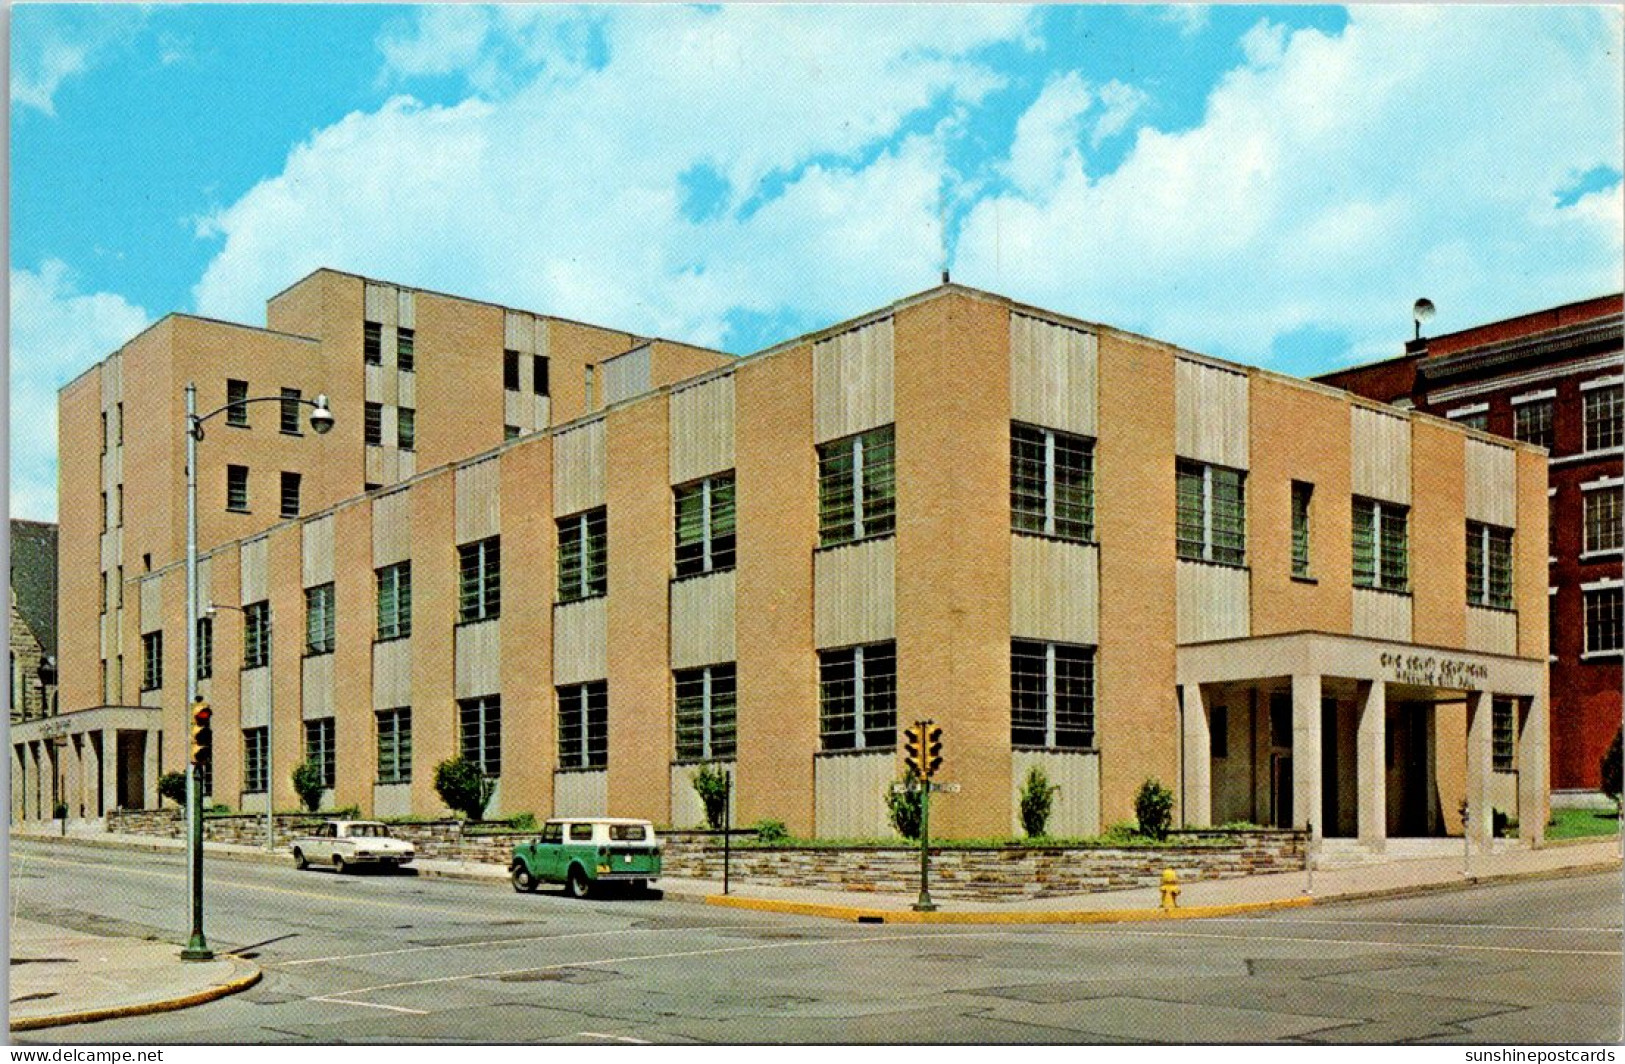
[[1072, 547]]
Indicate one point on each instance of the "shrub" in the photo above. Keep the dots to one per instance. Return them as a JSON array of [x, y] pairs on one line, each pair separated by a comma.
[[711, 784], [905, 807], [463, 787], [1154, 807], [1610, 769], [771, 831], [1037, 799], [308, 784], [523, 822], [172, 785]]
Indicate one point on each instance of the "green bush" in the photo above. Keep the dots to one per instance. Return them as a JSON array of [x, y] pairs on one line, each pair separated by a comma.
[[771, 832], [172, 785], [711, 784], [1037, 799], [463, 787], [1154, 808], [906, 807], [1610, 770], [308, 784]]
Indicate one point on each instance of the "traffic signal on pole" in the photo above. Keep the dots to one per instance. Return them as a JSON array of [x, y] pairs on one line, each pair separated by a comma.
[[932, 750], [202, 734], [912, 747]]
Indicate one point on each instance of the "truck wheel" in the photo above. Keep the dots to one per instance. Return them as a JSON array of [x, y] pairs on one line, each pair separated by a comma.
[[578, 885], [299, 861], [523, 881]]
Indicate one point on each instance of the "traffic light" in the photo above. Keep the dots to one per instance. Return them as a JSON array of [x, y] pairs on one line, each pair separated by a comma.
[[933, 749], [911, 748], [202, 734]]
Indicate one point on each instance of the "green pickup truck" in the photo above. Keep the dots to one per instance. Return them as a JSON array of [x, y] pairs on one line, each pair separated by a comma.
[[583, 852]]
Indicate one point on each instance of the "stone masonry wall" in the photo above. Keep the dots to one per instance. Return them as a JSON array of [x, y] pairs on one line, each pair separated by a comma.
[[992, 874]]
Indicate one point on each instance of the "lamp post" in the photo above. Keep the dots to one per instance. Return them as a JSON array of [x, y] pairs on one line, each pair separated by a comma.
[[321, 421]]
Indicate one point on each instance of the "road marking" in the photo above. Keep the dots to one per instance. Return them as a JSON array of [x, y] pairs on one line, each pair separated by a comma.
[[613, 1038], [369, 1005], [511, 941], [1414, 924], [1366, 942]]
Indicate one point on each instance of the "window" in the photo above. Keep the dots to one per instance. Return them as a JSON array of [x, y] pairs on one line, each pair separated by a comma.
[[152, 661], [1381, 545], [102, 586], [105, 512], [406, 432], [538, 382], [1212, 513], [372, 423], [480, 733], [857, 487], [319, 747], [118, 430], [205, 647], [394, 601], [118, 503], [1302, 497], [406, 350], [1489, 566], [290, 494], [1502, 733], [290, 411], [1052, 695], [255, 770], [237, 488], [319, 620], [510, 432], [1479, 421], [256, 634], [705, 526], [395, 745], [1604, 633], [372, 343], [104, 432], [584, 555], [118, 585], [706, 712], [584, 725], [1218, 731], [857, 697], [510, 370], [1604, 421], [237, 392], [1052, 483], [479, 588], [1532, 422], [1603, 530]]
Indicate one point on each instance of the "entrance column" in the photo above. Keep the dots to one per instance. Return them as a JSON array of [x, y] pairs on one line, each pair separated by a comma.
[[1371, 764], [1197, 786], [1533, 761], [1480, 758], [110, 769], [1306, 781], [149, 783]]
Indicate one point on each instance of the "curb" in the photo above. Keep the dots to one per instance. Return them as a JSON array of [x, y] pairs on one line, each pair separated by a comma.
[[1469, 882], [1025, 916], [213, 993]]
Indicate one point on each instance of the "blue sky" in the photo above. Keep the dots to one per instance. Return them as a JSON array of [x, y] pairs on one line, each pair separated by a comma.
[[1270, 184]]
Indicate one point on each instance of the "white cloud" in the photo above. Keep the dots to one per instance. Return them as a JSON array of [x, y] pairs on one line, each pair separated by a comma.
[[52, 43], [1189, 19], [56, 333], [562, 191], [1334, 179]]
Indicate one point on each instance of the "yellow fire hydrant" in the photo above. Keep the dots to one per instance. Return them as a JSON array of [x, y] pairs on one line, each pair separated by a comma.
[[1170, 889]]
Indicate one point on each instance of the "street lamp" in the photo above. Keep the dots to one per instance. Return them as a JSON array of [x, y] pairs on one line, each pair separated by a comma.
[[321, 422]]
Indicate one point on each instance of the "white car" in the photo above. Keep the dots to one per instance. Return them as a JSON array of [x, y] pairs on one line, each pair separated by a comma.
[[345, 844]]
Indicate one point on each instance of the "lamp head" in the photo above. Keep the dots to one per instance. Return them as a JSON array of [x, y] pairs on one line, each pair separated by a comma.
[[321, 418], [1423, 311]]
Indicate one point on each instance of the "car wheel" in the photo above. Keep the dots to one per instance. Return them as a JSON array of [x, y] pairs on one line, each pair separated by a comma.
[[339, 865], [523, 881], [578, 885], [299, 861]]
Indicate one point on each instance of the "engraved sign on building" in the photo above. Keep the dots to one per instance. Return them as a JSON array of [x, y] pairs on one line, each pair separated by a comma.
[[1428, 670]]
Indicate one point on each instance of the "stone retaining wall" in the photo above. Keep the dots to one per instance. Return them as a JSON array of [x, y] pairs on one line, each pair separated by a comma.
[[992, 874]]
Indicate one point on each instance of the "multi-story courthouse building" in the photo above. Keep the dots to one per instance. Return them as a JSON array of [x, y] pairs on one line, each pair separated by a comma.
[[1072, 547], [1555, 378]]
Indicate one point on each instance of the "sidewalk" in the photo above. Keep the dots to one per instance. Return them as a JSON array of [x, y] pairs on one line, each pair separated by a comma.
[[120, 976]]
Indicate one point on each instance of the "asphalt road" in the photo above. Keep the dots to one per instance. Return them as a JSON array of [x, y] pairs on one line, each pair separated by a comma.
[[394, 958]]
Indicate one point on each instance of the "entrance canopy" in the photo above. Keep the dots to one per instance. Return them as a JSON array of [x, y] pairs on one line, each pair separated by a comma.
[[85, 762]]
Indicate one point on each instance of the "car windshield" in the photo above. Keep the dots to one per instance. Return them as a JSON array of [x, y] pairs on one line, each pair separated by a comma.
[[368, 831], [627, 833]]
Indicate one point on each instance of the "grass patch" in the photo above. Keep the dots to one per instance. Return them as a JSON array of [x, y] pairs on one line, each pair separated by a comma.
[[1582, 823]]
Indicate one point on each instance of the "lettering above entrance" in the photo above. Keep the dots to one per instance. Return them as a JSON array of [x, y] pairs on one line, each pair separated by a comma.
[[1426, 670]]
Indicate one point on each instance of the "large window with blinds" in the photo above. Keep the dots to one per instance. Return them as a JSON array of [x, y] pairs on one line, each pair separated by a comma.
[[319, 748], [479, 580], [706, 712], [395, 745], [1211, 513], [394, 601], [584, 555], [1489, 565], [857, 697], [857, 487], [1052, 483], [1303, 494], [257, 634], [319, 626], [256, 750], [1052, 695], [479, 731], [584, 725], [1381, 545], [705, 525]]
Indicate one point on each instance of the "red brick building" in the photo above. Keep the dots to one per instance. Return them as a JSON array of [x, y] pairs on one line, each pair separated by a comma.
[[1553, 377]]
